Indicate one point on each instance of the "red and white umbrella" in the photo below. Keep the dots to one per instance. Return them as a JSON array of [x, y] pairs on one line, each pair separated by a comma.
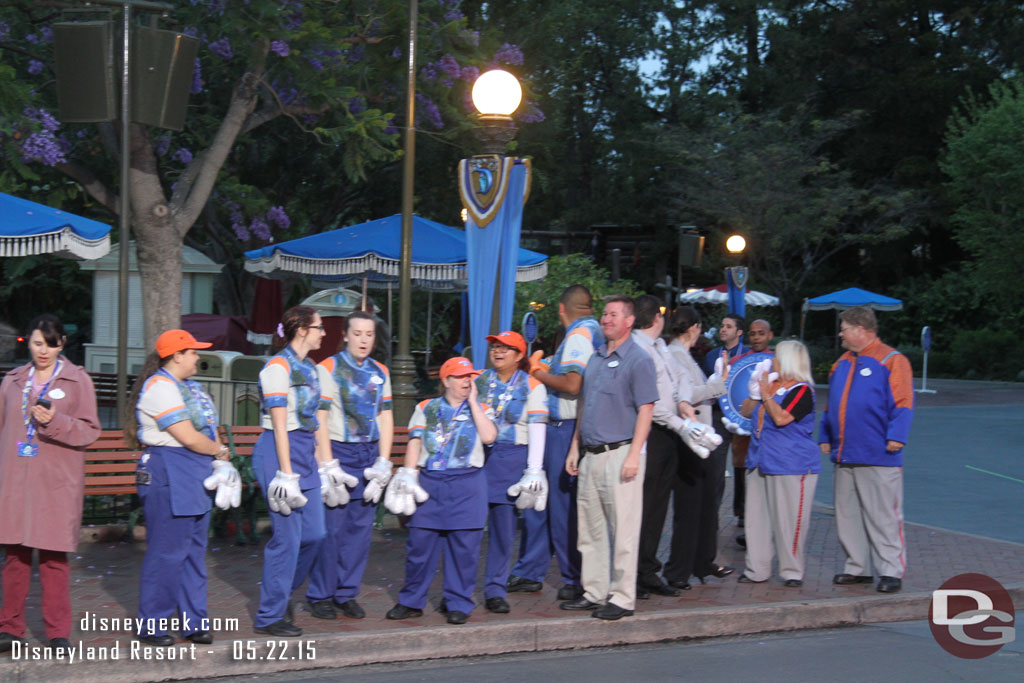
[[719, 294]]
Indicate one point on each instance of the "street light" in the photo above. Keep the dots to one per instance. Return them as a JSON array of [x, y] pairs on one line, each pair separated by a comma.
[[736, 244], [496, 94]]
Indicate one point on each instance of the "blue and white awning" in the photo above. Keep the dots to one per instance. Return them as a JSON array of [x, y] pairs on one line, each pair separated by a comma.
[[28, 229]]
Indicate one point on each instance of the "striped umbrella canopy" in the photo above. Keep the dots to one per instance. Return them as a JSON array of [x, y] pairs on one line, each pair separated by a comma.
[[28, 228], [719, 294]]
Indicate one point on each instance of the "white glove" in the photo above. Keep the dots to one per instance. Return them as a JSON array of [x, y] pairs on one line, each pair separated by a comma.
[[754, 383], [228, 484], [284, 494], [405, 492], [334, 483], [531, 491], [377, 478], [733, 427], [701, 438]]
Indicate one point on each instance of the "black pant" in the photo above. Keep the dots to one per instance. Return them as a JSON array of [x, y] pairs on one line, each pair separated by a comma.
[[662, 463], [696, 496]]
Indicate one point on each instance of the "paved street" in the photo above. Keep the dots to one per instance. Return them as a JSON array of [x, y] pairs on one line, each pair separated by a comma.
[[903, 651]]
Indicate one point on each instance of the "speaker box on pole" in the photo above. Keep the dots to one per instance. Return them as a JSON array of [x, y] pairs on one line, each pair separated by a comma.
[[84, 60], [162, 64]]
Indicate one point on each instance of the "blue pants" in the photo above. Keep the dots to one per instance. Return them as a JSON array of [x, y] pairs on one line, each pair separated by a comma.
[[291, 550], [173, 579], [501, 527], [461, 549], [338, 570], [552, 531]]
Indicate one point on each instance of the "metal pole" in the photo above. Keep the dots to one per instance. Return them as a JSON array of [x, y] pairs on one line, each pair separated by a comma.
[[125, 218], [403, 367], [430, 308], [616, 264]]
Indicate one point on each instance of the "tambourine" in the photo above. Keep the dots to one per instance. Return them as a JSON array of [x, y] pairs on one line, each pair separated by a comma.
[[737, 388]]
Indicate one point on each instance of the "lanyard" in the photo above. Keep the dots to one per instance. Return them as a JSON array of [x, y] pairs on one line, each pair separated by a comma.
[[30, 427], [505, 398]]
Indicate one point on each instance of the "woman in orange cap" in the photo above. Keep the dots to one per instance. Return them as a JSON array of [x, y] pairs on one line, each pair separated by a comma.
[[516, 459], [446, 438], [176, 422]]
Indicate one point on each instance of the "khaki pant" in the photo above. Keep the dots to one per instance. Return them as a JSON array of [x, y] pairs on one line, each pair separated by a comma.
[[777, 522], [869, 519], [610, 513]]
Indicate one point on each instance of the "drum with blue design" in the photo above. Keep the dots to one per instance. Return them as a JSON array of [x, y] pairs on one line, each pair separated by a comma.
[[737, 388]]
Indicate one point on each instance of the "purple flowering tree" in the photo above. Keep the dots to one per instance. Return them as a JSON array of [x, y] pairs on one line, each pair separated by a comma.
[[288, 101]]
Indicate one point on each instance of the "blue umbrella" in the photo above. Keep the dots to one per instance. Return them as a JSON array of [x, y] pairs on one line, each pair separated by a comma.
[[853, 296], [372, 250], [28, 228], [848, 298]]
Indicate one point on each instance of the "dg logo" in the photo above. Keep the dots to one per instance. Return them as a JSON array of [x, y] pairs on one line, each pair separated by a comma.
[[971, 616]]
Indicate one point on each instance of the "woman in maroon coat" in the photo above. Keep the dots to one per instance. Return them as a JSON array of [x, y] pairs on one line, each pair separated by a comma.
[[47, 416]]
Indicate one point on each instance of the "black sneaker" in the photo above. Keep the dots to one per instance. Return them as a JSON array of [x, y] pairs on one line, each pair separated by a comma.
[[456, 617], [351, 609], [60, 646], [280, 628], [322, 609], [7, 641], [402, 612], [497, 605], [517, 584], [570, 592]]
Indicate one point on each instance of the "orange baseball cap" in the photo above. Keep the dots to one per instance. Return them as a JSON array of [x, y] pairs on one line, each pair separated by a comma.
[[509, 338], [172, 341], [458, 367]]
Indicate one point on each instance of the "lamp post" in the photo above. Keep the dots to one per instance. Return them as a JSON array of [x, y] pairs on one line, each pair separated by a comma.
[[403, 368], [736, 276], [493, 188]]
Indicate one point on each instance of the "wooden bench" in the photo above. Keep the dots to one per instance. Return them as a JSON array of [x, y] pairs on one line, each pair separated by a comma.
[[110, 464]]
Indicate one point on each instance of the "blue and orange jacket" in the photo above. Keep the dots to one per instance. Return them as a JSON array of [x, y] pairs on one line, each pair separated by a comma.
[[870, 402]]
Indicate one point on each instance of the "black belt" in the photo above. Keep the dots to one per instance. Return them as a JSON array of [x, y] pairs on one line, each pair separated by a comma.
[[606, 447]]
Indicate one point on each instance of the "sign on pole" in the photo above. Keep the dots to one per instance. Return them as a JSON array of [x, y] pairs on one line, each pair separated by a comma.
[[530, 330]]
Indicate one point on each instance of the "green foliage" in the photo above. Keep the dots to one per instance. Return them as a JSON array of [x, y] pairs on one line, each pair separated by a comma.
[[542, 296], [984, 160]]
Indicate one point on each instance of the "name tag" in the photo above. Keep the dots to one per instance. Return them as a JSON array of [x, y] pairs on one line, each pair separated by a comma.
[[614, 364], [56, 394], [27, 449], [461, 418], [866, 372], [377, 380]]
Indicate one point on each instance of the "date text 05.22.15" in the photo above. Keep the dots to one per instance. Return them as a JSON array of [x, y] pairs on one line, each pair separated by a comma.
[[272, 650]]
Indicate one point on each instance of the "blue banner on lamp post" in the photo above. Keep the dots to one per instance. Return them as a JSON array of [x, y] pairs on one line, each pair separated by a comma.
[[736, 281]]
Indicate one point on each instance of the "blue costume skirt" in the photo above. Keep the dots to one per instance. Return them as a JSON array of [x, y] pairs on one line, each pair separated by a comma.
[[504, 466], [458, 499]]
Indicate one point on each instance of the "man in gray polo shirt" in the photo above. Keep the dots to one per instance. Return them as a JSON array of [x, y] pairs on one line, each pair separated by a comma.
[[607, 453]]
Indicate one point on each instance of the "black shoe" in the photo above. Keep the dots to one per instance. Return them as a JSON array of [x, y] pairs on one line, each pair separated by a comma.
[[793, 583], [517, 584], [158, 641], [400, 611], [580, 603], [718, 572], [351, 609], [611, 612], [60, 646], [681, 585], [658, 589], [497, 605], [200, 637], [642, 593], [570, 592], [889, 584], [322, 609], [280, 628], [739, 522], [850, 579], [7, 641], [741, 541], [746, 579], [456, 617]]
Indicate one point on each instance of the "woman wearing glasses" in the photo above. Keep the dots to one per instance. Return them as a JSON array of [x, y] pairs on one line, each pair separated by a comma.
[[284, 460]]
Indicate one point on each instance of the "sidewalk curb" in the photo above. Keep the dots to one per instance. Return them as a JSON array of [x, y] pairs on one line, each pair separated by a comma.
[[536, 635]]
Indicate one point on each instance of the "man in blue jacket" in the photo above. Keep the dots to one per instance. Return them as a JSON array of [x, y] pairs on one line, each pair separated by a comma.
[[870, 407]]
